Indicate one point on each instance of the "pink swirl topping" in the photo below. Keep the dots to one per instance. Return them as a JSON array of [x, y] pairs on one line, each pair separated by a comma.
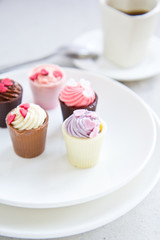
[[83, 124], [77, 94], [46, 74]]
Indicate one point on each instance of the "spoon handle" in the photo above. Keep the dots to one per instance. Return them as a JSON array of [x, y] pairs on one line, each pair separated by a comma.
[[11, 67]]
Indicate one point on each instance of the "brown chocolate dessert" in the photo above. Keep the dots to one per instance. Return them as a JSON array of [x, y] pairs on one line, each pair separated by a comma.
[[67, 110], [28, 142], [77, 94], [10, 97]]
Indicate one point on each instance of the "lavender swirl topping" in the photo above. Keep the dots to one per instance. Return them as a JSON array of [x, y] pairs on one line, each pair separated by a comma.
[[83, 124]]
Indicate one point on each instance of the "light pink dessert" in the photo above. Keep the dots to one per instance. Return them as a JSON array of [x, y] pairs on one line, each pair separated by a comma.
[[46, 82]]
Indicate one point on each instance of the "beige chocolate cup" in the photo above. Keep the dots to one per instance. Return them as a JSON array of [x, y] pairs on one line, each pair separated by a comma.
[[28, 143], [84, 152]]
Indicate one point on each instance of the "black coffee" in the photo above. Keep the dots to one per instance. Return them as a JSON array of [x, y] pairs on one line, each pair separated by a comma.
[[135, 12]]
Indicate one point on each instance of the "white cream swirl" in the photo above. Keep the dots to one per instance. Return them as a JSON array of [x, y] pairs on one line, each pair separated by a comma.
[[35, 117]]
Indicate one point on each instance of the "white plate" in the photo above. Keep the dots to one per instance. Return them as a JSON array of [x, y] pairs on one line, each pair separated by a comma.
[[50, 181], [62, 222], [148, 68]]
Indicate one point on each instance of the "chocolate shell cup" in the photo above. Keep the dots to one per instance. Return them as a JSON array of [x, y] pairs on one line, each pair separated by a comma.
[[46, 95], [84, 152], [7, 106], [28, 143], [67, 110]]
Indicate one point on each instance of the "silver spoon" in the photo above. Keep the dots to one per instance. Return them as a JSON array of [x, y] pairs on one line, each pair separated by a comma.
[[71, 51]]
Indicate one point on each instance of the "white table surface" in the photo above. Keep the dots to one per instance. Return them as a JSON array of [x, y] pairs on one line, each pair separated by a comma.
[[32, 28]]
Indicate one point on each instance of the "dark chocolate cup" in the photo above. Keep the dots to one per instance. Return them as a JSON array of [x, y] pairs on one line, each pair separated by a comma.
[[67, 111], [7, 106]]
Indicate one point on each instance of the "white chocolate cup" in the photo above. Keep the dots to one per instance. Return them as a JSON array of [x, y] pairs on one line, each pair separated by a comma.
[[84, 152]]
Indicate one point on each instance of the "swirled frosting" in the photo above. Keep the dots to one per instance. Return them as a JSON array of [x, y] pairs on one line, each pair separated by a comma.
[[8, 93], [83, 124], [46, 74], [27, 116], [77, 94]]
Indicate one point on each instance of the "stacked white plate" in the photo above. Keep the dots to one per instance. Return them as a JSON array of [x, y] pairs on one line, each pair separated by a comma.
[[46, 197]]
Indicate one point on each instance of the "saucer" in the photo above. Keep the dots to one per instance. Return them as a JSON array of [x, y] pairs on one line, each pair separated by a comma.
[[67, 221], [49, 180], [148, 68]]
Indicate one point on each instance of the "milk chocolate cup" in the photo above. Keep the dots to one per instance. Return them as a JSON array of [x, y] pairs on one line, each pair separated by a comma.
[[67, 110], [28, 143], [7, 106]]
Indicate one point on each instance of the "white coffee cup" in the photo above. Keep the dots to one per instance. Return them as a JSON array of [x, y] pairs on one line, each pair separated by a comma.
[[126, 37]]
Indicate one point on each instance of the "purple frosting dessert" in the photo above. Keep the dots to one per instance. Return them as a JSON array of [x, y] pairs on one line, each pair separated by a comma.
[[83, 134], [83, 124]]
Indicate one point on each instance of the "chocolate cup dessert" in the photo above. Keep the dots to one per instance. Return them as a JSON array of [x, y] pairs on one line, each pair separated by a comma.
[[28, 143], [9, 100], [67, 110], [46, 93]]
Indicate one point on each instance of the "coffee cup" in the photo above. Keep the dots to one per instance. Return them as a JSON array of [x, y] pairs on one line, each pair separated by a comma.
[[128, 26]]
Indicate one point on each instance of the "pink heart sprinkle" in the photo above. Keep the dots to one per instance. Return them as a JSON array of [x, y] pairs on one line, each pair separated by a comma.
[[89, 124], [3, 89], [44, 72], [78, 113], [92, 114], [94, 133], [25, 105], [7, 82], [34, 76], [11, 118], [23, 112], [57, 74]]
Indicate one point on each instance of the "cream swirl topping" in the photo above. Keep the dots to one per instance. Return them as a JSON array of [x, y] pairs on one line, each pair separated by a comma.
[[28, 118]]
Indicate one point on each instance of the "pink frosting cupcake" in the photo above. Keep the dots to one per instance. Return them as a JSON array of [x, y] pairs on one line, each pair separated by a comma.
[[46, 82], [77, 95]]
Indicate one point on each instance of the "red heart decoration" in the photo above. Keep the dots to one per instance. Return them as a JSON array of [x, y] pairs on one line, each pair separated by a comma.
[[57, 74], [23, 112], [25, 105], [7, 82], [3, 88], [11, 118], [44, 72], [34, 76]]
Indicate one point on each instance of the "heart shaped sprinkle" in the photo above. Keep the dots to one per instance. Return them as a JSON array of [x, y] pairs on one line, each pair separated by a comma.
[[79, 113], [11, 118], [44, 72], [57, 74], [89, 124], [34, 76], [94, 133], [3, 89], [7, 82], [25, 105], [23, 112]]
